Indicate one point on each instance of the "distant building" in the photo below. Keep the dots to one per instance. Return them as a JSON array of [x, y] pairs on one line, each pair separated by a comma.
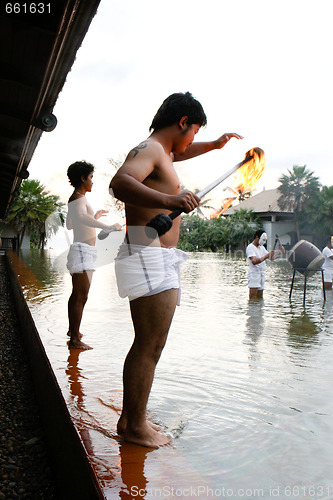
[[9, 237], [276, 222]]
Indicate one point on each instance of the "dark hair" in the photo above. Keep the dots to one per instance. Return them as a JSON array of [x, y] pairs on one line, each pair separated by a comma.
[[175, 107], [77, 170], [258, 233]]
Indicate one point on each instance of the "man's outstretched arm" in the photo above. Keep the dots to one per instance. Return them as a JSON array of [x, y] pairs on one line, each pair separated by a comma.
[[79, 215], [199, 148]]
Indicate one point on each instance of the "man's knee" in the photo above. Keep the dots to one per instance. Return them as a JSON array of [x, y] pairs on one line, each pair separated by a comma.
[[80, 296], [157, 351], [150, 350]]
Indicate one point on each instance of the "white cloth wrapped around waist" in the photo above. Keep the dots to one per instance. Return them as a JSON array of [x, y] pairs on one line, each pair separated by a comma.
[[81, 257], [147, 270]]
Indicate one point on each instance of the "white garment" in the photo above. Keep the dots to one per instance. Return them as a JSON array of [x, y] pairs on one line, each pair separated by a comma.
[[142, 271], [328, 265], [259, 252], [256, 279], [257, 272], [81, 257]]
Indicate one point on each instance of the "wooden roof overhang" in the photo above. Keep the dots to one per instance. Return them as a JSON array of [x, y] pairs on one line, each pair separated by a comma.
[[37, 50]]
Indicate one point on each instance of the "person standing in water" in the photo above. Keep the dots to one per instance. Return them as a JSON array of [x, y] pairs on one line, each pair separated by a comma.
[[147, 270], [82, 253], [257, 255], [328, 264]]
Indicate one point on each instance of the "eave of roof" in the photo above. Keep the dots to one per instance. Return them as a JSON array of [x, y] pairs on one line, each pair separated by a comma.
[[37, 52]]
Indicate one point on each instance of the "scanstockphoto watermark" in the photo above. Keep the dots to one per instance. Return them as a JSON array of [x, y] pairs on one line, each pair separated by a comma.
[[198, 491], [59, 238], [141, 262], [204, 491]]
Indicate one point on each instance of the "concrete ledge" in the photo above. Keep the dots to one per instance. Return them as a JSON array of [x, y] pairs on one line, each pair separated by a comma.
[[75, 476]]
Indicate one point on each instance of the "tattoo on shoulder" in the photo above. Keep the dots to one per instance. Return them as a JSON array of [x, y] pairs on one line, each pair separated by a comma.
[[136, 150]]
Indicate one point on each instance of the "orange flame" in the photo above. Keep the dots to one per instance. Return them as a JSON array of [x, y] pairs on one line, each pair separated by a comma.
[[225, 204], [246, 177]]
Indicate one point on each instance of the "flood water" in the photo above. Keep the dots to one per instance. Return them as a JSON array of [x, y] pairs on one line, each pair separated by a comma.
[[244, 388]]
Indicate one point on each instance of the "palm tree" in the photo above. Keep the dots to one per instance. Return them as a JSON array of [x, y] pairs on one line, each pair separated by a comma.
[[238, 194], [318, 217], [203, 204], [31, 208], [296, 188], [243, 195]]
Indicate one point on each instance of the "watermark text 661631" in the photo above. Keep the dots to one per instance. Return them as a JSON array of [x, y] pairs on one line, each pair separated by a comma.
[[27, 8]]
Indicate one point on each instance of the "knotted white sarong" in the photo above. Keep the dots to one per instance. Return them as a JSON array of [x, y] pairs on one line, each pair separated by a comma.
[[81, 257], [142, 271]]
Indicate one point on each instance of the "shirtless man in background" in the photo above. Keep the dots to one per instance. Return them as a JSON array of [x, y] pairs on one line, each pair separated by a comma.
[[82, 253], [148, 184]]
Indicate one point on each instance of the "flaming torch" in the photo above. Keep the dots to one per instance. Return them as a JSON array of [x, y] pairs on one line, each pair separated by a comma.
[[245, 178], [253, 163], [249, 174]]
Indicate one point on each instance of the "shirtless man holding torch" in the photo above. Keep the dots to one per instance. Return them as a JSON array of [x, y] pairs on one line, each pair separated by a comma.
[[148, 273]]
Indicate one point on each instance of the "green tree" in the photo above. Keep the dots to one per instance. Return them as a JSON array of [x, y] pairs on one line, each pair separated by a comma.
[[197, 234], [317, 219], [242, 225], [296, 190], [193, 235], [31, 208]]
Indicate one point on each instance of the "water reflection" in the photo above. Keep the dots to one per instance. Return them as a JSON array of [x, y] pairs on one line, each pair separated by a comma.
[[302, 331], [40, 262], [251, 379], [74, 374], [132, 459], [328, 306], [32, 287], [255, 325]]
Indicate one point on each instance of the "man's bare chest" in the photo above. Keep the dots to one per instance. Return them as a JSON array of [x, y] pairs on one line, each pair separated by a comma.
[[164, 178]]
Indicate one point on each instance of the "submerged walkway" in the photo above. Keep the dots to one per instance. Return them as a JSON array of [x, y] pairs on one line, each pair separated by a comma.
[[25, 466]]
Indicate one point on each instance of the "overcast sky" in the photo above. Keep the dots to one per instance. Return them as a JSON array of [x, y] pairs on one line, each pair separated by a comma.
[[260, 68]]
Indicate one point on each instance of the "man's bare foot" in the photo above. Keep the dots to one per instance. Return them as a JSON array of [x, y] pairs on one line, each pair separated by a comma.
[[122, 424], [80, 334], [77, 344], [146, 436], [155, 426]]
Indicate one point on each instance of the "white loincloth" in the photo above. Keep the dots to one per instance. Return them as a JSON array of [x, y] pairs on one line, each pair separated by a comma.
[[328, 275], [142, 271], [81, 257], [256, 278]]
